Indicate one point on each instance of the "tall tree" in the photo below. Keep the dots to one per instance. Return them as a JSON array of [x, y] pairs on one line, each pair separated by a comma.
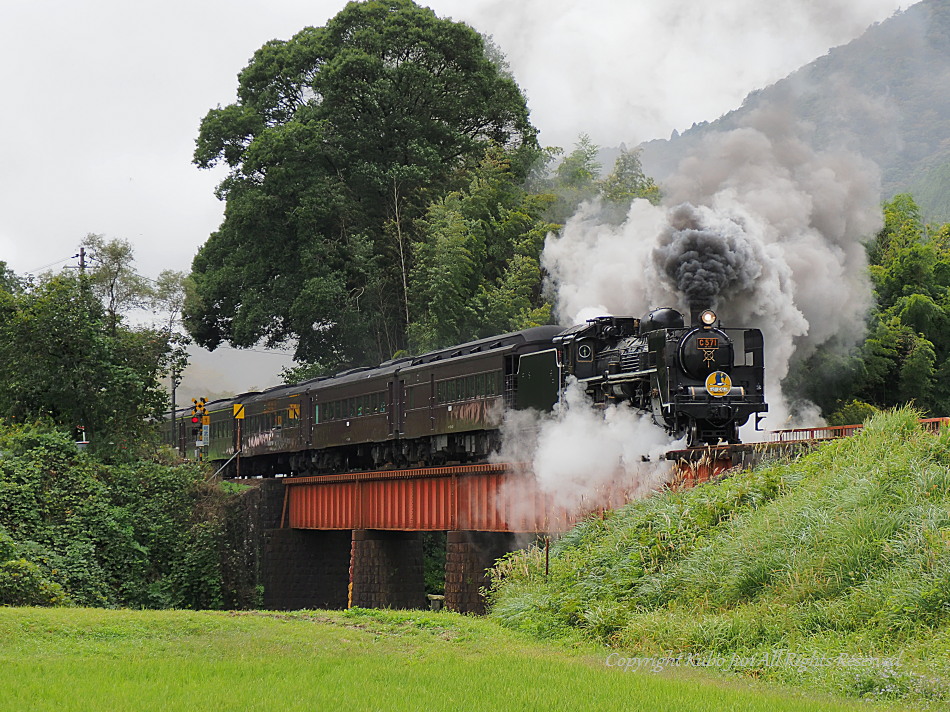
[[627, 182], [339, 140], [575, 179], [112, 277], [9, 282]]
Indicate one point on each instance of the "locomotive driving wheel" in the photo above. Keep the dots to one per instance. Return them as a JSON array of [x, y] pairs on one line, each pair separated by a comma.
[[692, 434]]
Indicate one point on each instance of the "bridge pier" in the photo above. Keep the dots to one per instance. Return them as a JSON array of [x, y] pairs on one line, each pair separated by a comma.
[[303, 568], [386, 569], [468, 556]]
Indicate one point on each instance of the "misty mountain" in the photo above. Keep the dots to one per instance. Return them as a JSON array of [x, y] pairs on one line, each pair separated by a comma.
[[884, 95]]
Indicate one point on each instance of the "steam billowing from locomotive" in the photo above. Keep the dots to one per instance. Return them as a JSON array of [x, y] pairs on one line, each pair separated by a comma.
[[756, 225], [703, 260]]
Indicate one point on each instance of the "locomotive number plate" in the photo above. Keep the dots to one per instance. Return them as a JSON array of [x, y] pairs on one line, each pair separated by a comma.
[[708, 343]]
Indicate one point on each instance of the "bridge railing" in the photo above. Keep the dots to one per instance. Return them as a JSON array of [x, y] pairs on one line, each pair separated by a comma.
[[841, 431]]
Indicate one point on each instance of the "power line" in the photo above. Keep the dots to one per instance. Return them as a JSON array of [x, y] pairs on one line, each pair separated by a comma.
[[47, 266]]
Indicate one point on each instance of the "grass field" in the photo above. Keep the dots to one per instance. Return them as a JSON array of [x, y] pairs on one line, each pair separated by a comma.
[[89, 660]]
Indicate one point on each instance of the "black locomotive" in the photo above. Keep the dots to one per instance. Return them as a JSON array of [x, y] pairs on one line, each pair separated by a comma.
[[700, 381]]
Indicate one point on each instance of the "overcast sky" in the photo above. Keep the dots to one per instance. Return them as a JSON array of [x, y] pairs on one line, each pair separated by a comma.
[[102, 98]]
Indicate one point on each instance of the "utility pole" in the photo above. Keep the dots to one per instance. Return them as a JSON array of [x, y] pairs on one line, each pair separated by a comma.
[[175, 442]]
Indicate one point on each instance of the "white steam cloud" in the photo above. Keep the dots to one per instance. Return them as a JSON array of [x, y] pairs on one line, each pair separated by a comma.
[[583, 457]]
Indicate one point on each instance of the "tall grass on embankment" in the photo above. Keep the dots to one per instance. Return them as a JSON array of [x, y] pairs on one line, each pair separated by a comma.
[[832, 571]]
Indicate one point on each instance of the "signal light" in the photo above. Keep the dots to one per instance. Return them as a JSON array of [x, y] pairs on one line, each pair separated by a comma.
[[195, 419]]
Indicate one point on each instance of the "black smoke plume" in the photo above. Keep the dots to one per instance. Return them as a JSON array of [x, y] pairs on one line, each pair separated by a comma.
[[703, 262]]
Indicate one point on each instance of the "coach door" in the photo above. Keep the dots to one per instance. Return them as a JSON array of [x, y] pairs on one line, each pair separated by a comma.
[[394, 407], [306, 418]]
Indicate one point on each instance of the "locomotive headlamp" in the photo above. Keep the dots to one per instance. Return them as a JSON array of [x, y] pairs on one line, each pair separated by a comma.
[[708, 317]]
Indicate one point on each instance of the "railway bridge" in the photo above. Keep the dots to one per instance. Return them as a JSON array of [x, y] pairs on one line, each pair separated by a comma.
[[356, 539]]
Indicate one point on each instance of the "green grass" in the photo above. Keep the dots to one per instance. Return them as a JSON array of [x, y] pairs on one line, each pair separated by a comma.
[[90, 660], [840, 559]]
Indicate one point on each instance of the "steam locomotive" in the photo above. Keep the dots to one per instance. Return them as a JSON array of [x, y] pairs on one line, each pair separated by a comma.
[[700, 381]]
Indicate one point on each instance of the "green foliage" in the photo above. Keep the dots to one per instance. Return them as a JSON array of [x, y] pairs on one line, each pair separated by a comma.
[[854, 412], [844, 550], [340, 139], [113, 279], [9, 282], [22, 583], [575, 179], [628, 182], [433, 552], [477, 270], [64, 360], [131, 534]]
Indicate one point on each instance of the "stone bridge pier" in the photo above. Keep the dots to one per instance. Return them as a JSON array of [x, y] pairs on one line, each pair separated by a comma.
[[372, 568]]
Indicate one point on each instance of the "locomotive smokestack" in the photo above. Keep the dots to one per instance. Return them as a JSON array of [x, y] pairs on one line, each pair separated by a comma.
[[697, 307]]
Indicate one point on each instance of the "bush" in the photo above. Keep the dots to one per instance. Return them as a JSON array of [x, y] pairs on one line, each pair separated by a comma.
[[22, 583], [139, 534]]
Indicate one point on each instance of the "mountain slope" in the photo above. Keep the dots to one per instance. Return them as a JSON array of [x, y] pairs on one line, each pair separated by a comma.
[[882, 95]]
